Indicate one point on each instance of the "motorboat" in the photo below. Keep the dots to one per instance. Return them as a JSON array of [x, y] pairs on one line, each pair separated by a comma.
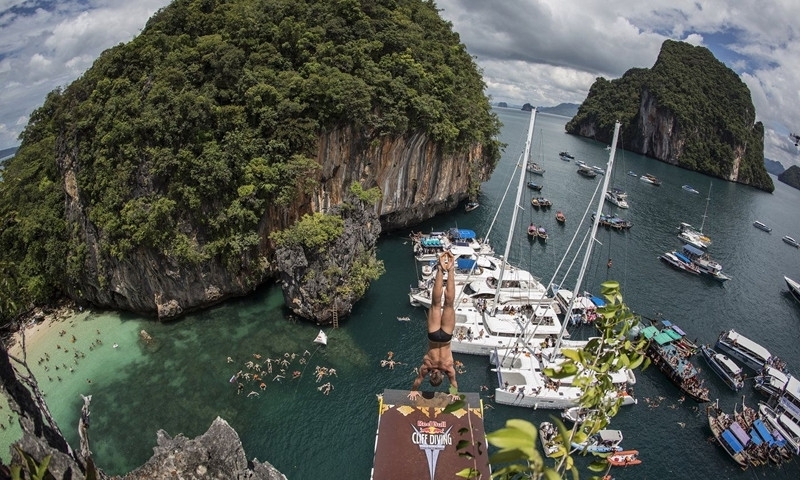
[[618, 197], [771, 381], [784, 419], [584, 310], [750, 353], [604, 441], [791, 241], [705, 263], [690, 189], [613, 221], [560, 218], [551, 440], [566, 156], [535, 169], [598, 169], [762, 226], [535, 186], [586, 172], [693, 237], [651, 179], [470, 206], [672, 259], [624, 458], [794, 287], [727, 369], [632, 173]]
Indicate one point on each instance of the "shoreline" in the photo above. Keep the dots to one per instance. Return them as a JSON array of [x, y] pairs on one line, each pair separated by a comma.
[[38, 323]]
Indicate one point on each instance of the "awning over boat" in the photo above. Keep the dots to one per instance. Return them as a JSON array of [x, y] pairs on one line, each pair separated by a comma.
[[682, 257], [731, 440], [693, 250], [741, 435], [649, 332], [462, 234], [599, 302], [759, 426], [673, 334], [755, 437], [611, 436], [431, 242], [729, 364], [663, 338], [465, 263]]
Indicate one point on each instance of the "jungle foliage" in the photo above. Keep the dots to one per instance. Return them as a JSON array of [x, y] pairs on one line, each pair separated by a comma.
[[183, 138], [712, 107]]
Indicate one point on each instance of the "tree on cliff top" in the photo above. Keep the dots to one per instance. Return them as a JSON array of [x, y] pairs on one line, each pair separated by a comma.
[[712, 106], [181, 139]]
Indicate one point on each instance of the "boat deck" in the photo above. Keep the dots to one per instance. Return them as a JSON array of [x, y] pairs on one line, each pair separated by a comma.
[[417, 439]]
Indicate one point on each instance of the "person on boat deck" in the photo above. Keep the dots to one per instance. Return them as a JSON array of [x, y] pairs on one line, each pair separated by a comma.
[[438, 361]]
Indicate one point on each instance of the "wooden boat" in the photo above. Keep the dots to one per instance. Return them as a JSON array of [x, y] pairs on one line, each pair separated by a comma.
[[532, 233], [560, 218], [471, 206], [667, 352], [535, 202], [719, 423], [762, 226], [551, 440], [727, 369], [624, 458], [541, 232]]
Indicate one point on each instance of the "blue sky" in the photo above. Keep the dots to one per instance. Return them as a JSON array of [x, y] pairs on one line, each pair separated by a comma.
[[544, 52]]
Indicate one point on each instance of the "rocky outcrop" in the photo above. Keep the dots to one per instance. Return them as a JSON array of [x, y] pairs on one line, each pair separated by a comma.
[[791, 176], [318, 283], [218, 453], [689, 110]]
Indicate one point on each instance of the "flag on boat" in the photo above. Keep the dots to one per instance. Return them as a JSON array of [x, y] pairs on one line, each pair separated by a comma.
[[321, 338]]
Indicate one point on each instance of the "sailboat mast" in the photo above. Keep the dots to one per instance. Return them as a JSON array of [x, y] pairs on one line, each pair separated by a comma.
[[705, 214], [516, 203], [595, 223]]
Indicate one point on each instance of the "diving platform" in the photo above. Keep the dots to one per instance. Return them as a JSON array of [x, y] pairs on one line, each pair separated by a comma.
[[418, 439]]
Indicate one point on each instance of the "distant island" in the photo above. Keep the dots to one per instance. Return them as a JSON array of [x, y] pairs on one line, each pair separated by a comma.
[[791, 176], [563, 109], [773, 166]]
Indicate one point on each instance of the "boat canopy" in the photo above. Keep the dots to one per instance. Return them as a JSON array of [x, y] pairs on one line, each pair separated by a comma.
[[731, 440], [729, 364], [682, 257], [431, 242], [744, 342], [693, 250], [649, 332], [755, 437], [611, 436], [759, 426], [741, 435], [465, 263], [599, 302], [462, 234]]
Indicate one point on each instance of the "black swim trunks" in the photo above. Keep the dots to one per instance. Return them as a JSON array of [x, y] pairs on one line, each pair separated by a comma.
[[440, 336]]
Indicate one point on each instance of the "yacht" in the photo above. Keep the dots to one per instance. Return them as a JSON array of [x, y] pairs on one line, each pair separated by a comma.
[[727, 369], [771, 381], [618, 197], [704, 263], [762, 226], [794, 287], [783, 413], [745, 350], [791, 241], [651, 179], [693, 237], [690, 189]]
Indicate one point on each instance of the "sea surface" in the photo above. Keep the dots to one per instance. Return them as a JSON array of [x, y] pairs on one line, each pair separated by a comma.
[[180, 382]]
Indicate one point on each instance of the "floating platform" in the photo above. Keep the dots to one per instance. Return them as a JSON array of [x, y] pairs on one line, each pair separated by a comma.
[[417, 439]]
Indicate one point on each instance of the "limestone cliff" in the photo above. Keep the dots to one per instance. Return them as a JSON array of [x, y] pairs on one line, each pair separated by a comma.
[[154, 182], [791, 176], [689, 110]]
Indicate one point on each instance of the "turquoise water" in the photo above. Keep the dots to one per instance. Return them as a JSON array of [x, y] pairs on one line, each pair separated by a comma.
[[180, 383]]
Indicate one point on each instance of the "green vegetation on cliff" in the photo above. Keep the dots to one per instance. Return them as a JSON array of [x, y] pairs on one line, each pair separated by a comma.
[[712, 110], [183, 138]]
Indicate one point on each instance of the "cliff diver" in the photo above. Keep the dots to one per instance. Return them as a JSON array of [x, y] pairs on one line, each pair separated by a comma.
[[438, 361]]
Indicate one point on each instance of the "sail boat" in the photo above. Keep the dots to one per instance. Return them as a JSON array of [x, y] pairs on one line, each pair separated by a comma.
[[521, 380], [534, 167], [510, 309], [696, 238]]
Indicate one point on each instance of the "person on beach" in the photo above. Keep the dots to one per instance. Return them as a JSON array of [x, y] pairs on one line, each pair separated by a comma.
[[438, 361]]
